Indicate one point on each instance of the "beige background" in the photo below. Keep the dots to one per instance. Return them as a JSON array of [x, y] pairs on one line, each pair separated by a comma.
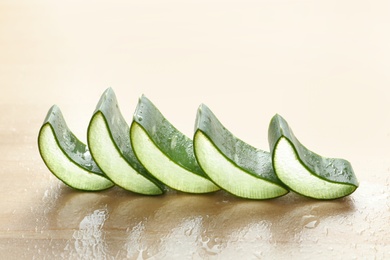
[[323, 65]]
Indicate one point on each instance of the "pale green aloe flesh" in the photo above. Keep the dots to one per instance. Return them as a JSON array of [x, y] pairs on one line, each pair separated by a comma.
[[67, 157], [232, 164], [166, 152], [109, 142], [304, 171]]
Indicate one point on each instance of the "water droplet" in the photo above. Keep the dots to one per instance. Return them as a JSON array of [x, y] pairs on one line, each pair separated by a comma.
[[139, 118], [154, 129], [89, 239], [312, 224], [173, 142], [188, 232], [236, 158], [88, 166], [310, 221]]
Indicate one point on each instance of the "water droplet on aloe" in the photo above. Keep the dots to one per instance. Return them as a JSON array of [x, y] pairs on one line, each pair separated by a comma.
[[173, 142], [88, 166]]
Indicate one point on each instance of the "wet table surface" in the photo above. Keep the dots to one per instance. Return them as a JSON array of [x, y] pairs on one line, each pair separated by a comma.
[[323, 66]]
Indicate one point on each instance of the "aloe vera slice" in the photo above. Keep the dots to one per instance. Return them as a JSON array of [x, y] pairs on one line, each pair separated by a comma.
[[68, 158], [232, 164], [166, 152], [109, 142], [304, 171]]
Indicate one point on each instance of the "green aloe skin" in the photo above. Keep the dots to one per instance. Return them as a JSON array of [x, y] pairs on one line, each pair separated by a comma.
[[68, 158], [304, 171], [152, 155], [165, 151], [109, 142], [232, 164]]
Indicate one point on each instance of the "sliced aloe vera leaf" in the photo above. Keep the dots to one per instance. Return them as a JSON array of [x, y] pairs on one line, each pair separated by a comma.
[[109, 142], [166, 152], [304, 171], [232, 164], [68, 158]]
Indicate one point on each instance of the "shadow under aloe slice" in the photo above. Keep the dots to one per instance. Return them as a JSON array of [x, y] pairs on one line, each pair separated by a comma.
[[304, 171], [109, 142], [166, 152], [232, 164], [68, 158]]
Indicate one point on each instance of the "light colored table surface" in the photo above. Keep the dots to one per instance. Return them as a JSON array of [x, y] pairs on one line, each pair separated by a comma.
[[323, 65]]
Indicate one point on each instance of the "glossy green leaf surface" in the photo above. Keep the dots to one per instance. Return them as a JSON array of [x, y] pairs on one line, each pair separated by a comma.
[[234, 165], [165, 151], [109, 141], [336, 176], [68, 158]]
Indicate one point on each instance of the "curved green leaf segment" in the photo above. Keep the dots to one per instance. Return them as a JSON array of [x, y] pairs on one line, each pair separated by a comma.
[[165, 152], [68, 158], [109, 142], [232, 164], [305, 172]]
